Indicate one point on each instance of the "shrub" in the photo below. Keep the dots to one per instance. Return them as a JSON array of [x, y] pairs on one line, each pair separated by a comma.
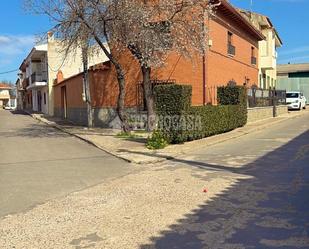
[[172, 99], [235, 95], [186, 123], [232, 95], [156, 141]]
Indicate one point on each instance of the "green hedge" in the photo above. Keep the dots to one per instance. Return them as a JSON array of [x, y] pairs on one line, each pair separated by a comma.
[[172, 99], [231, 95], [181, 122], [235, 95]]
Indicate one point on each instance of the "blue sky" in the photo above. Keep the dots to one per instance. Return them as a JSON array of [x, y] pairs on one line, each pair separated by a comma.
[[18, 30], [290, 17]]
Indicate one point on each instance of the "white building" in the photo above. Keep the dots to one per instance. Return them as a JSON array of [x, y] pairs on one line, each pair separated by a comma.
[[35, 73], [4, 94], [39, 71], [7, 96]]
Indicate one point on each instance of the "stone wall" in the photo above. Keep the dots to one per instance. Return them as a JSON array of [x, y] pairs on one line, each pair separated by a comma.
[[282, 109], [104, 117], [260, 113]]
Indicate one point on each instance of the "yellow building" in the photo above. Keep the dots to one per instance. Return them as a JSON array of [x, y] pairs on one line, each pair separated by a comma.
[[4, 94], [267, 48]]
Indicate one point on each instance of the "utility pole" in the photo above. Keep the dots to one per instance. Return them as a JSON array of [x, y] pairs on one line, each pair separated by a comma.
[[87, 85]]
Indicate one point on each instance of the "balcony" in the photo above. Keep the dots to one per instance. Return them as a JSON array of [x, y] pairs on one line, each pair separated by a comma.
[[37, 81], [253, 60], [231, 50], [268, 62], [36, 77], [24, 84]]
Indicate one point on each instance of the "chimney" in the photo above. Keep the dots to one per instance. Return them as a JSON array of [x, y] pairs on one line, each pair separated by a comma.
[[50, 36]]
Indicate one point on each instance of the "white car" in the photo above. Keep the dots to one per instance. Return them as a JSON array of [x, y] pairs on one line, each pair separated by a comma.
[[296, 100]]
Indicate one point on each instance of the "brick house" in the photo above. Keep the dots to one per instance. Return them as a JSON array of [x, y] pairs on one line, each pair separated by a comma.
[[232, 55]]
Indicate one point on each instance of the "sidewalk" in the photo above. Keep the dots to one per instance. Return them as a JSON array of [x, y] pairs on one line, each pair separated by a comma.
[[133, 149]]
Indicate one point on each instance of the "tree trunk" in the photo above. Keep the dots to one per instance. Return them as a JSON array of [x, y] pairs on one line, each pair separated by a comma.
[[148, 93], [121, 84], [121, 99], [87, 87]]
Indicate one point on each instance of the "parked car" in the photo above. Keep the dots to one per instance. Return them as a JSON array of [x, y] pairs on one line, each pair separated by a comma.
[[7, 107], [296, 100]]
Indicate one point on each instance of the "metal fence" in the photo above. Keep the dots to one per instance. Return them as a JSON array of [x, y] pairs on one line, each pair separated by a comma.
[[258, 97]]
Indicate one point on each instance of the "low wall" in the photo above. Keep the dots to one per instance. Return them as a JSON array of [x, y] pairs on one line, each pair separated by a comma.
[[76, 115], [104, 117], [260, 113], [282, 109]]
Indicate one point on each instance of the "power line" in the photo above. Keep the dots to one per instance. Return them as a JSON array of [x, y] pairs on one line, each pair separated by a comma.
[[12, 71]]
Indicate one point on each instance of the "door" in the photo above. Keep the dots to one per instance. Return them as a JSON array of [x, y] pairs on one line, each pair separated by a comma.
[[64, 102], [39, 96]]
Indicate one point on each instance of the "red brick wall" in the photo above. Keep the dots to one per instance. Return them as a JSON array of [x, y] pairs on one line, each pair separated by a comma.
[[103, 86], [222, 67], [219, 69], [74, 90]]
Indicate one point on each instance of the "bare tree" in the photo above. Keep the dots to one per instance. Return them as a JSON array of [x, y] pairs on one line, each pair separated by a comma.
[[76, 23], [86, 85], [149, 29], [153, 29]]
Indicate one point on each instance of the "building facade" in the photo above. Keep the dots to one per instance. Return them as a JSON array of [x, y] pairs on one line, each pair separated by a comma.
[[294, 77], [231, 56], [39, 71], [4, 94], [267, 48], [33, 74]]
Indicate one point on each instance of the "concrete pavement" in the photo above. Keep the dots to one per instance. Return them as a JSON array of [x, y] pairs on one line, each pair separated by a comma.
[[135, 151], [249, 192], [38, 163]]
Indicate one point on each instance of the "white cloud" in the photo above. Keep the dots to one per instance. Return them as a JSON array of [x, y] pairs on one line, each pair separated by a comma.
[[4, 40], [14, 46]]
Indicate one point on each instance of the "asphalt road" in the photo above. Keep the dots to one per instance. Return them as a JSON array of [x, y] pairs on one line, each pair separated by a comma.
[[270, 209], [257, 193], [38, 163]]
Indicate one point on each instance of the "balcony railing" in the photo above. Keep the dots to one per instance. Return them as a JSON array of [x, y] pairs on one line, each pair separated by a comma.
[[231, 50], [253, 60], [35, 77], [25, 83]]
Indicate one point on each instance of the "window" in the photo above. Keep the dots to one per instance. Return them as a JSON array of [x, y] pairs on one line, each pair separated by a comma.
[[44, 98], [230, 38], [231, 50], [292, 95], [253, 57], [261, 81], [264, 81]]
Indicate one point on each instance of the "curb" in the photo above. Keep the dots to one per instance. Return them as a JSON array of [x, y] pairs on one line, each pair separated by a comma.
[[53, 125], [238, 133]]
